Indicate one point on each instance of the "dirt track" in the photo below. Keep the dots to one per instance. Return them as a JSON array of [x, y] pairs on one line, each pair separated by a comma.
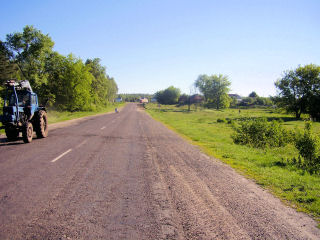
[[126, 176]]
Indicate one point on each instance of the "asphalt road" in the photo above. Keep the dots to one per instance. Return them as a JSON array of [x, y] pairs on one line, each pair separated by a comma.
[[126, 176]]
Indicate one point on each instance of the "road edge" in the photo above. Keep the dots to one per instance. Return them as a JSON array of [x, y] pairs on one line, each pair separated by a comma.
[[66, 123]]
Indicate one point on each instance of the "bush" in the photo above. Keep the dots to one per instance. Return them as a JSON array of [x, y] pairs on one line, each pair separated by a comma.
[[308, 145], [230, 121], [219, 120], [168, 96], [260, 133]]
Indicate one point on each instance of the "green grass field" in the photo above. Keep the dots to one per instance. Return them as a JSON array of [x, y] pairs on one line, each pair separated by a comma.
[[60, 116], [265, 166]]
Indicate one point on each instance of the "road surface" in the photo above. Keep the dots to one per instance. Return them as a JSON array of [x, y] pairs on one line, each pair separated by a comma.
[[126, 176]]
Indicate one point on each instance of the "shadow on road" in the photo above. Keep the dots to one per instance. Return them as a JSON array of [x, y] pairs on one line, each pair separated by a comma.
[[5, 142]]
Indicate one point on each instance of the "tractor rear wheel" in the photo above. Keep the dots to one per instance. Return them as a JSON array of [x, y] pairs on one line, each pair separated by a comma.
[[42, 124], [27, 132], [12, 134]]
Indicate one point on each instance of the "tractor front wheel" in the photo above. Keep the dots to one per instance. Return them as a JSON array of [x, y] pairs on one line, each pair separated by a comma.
[[42, 125], [27, 132]]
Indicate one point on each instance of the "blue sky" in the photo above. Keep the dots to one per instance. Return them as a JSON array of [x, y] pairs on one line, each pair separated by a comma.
[[148, 45]]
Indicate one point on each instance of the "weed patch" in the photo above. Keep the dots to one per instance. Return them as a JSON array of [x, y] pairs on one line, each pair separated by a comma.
[[260, 133], [308, 145]]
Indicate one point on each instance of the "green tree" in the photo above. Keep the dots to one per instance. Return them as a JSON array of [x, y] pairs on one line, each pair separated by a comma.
[[168, 96], [55, 67], [112, 89], [8, 69], [253, 94], [69, 82], [64, 82], [215, 89], [77, 86], [299, 90], [29, 50], [103, 89]]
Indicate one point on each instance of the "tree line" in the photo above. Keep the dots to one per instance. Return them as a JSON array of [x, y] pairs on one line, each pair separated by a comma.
[[298, 92], [214, 91], [64, 82], [134, 97]]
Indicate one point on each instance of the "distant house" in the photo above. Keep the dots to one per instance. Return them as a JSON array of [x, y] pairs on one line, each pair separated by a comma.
[[144, 100], [196, 98], [183, 99], [118, 99], [153, 100], [236, 96]]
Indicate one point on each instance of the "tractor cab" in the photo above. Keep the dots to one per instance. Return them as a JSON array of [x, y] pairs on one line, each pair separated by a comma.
[[24, 98], [19, 104]]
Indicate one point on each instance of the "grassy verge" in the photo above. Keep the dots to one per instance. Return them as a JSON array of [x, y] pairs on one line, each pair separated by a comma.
[[266, 167], [60, 116]]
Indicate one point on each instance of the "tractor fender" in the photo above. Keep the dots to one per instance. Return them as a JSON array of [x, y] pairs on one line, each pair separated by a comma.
[[41, 108]]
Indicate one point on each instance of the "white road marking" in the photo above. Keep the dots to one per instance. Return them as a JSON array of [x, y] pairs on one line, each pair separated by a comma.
[[103, 127], [57, 158], [79, 145]]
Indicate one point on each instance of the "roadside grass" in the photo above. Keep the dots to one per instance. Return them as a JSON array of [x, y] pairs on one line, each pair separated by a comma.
[[60, 116], [268, 167]]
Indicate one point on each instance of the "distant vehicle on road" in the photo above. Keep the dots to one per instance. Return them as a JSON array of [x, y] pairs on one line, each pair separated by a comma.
[[119, 99], [143, 100]]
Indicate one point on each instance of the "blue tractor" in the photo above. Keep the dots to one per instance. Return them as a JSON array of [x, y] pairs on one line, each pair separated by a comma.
[[22, 113]]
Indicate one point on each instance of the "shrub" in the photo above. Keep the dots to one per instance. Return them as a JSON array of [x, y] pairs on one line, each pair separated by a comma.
[[308, 145], [260, 133], [230, 121], [219, 120]]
